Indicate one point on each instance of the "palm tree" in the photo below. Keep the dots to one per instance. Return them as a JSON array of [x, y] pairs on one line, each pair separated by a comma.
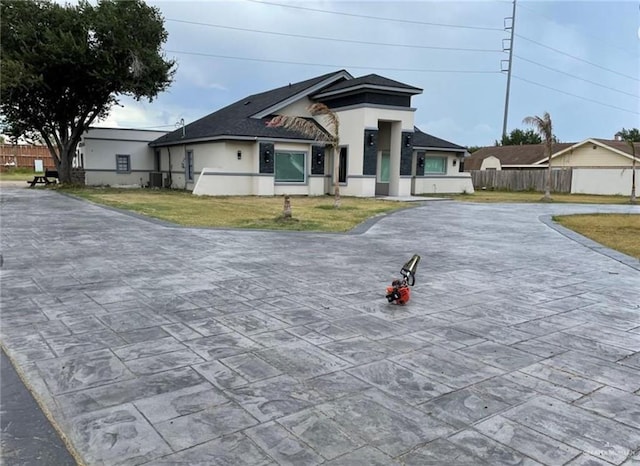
[[544, 128], [632, 200], [307, 127]]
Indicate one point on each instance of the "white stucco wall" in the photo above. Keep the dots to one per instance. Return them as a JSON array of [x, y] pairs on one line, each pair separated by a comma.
[[358, 186], [223, 174], [434, 184], [99, 147], [299, 108], [615, 181]]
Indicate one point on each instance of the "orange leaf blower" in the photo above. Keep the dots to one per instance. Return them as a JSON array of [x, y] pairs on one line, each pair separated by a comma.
[[399, 291]]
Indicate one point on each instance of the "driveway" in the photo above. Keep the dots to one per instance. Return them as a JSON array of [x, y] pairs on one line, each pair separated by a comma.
[[149, 344]]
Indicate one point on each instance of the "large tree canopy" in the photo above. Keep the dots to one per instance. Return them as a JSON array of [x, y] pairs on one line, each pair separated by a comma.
[[64, 67]]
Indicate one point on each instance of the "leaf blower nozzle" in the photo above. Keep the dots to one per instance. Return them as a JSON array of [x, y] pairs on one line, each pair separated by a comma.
[[399, 292]]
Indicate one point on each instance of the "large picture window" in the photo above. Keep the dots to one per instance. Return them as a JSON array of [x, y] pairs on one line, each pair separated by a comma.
[[435, 165], [123, 163], [290, 167]]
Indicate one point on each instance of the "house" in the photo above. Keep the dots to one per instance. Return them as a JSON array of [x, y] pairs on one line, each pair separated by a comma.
[[117, 157], [233, 152], [598, 166]]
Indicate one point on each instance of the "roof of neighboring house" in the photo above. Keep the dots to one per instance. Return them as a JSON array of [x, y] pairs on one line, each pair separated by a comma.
[[622, 146], [423, 140], [235, 119], [531, 154], [526, 154]]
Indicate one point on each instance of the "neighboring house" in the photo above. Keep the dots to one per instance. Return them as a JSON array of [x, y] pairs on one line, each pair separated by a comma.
[[598, 166], [526, 156], [233, 152], [117, 157]]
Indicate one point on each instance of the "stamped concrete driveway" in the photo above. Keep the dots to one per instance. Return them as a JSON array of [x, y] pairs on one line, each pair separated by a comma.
[[156, 345]]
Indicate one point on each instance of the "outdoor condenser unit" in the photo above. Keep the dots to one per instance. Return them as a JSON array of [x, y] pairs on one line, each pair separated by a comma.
[[155, 180]]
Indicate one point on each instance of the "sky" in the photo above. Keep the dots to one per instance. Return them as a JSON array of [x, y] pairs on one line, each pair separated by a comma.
[[577, 60]]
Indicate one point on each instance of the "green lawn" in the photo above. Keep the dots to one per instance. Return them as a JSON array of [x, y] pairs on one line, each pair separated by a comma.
[[617, 231], [18, 174], [261, 212]]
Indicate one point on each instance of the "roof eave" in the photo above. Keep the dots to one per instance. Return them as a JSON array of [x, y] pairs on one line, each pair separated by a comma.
[[375, 87]]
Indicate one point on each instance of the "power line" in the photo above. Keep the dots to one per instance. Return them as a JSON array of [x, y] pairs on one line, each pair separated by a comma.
[[577, 77], [417, 70], [577, 58], [379, 18], [333, 39], [599, 39], [575, 95]]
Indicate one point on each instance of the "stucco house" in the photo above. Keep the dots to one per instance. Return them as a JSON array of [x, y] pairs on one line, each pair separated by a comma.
[[117, 157], [233, 152], [598, 166]]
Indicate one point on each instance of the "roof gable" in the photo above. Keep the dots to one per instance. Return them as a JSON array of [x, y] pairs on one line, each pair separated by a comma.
[[246, 117], [619, 147]]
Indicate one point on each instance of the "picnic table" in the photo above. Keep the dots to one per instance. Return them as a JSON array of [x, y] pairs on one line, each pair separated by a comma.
[[49, 177]]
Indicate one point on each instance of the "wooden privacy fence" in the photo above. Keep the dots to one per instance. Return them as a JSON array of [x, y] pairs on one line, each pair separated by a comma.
[[24, 156], [522, 180]]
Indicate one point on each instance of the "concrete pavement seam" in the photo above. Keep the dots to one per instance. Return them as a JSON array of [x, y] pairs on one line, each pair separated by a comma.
[[589, 243]]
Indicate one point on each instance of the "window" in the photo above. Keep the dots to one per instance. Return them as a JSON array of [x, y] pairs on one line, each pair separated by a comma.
[[385, 167], [123, 163], [435, 165], [188, 166], [342, 169], [290, 167]]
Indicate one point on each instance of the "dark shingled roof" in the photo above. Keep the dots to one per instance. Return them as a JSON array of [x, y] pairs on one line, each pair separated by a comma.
[[371, 80], [421, 139], [234, 120], [526, 154]]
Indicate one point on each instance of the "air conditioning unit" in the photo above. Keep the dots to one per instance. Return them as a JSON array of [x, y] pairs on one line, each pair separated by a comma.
[[155, 180]]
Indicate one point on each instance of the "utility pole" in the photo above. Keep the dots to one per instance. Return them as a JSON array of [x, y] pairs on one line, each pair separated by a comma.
[[509, 49]]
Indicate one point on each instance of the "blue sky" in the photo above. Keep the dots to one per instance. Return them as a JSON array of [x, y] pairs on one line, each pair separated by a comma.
[[579, 61]]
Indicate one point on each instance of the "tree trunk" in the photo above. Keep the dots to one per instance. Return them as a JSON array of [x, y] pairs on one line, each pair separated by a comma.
[[547, 191], [64, 169]]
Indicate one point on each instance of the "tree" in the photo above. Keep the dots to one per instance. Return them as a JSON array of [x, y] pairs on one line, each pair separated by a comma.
[[64, 67], [544, 128], [632, 134], [519, 137], [472, 149], [310, 129]]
